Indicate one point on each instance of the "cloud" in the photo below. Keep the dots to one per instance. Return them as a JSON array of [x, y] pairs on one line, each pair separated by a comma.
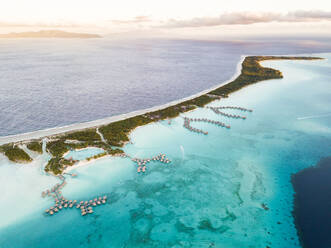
[[245, 18], [135, 20], [226, 19]]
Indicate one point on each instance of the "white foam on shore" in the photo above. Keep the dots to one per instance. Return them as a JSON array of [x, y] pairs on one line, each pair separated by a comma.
[[92, 124]]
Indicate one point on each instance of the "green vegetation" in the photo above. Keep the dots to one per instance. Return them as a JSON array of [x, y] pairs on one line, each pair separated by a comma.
[[117, 133], [35, 146], [57, 147], [57, 164], [252, 72], [73, 140], [116, 151], [88, 135], [15, 154], [81, 139], [97, 156]]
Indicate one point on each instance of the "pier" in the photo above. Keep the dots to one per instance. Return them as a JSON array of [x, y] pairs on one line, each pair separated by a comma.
[[233, 107], [143, 162], [187, 124], [187, 121], [61, 203], [217, 111], [86, 207]]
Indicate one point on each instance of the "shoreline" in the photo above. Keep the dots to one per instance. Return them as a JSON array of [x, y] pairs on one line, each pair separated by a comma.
[[36, 135], [53, 131], [115, 130], [84, 162]]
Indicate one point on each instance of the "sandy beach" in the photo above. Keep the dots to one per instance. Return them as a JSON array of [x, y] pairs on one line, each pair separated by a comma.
[[84, 163]]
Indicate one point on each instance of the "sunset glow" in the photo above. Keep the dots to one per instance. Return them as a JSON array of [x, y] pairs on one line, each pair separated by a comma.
[[113, 16]]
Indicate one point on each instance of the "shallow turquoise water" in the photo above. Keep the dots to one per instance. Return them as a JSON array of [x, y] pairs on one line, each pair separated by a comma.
[[83, 154], [211, 193]]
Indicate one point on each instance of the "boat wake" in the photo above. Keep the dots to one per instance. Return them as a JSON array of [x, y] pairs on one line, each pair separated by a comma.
[[183, 151], [313, 116]]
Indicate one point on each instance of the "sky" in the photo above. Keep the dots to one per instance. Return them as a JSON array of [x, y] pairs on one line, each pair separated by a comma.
[[168, 16]]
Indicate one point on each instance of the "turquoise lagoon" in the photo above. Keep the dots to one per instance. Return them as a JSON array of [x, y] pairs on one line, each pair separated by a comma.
[[211, 195], [83, 154]]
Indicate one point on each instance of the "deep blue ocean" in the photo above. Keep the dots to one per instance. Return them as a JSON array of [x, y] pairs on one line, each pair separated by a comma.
[[46, 83]]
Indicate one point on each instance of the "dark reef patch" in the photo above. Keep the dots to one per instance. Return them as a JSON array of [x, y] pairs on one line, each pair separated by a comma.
[[312, 204]]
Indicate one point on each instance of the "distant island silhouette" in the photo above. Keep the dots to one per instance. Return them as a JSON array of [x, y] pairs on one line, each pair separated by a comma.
[[49, 34]]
